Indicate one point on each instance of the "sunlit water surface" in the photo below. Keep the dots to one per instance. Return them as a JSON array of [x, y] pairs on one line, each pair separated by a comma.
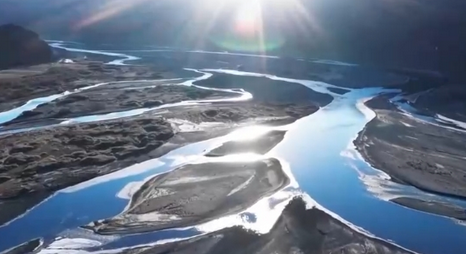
[[317, 154]]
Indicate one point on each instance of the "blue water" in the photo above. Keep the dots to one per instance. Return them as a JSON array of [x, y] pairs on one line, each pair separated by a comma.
[[312, 147], [30, 105], [328, 179], [87, 202]]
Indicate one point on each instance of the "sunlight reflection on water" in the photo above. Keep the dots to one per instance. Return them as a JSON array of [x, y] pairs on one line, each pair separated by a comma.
[[312, 149], [248, 133]]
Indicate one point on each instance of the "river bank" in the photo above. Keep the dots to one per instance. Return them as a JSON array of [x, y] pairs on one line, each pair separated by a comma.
[[112, 98], [23, 84], [434, 207], [447, 101], [298, 230], [38, 162], [309, 152], [414, 152], [196, 193]]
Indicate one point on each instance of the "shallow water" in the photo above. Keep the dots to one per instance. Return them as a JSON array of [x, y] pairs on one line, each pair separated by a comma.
[[9, 115], [315, 152], [437, 120]]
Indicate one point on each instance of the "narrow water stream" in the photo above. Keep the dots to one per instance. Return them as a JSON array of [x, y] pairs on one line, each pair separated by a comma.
[[315, 152]]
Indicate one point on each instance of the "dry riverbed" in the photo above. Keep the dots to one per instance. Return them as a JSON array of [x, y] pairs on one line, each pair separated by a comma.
[[448, 100], [38, 162], [20, 85], [297, 231], [435, 207], [113, 97], [413, 152], [196, 193], [53, 158]]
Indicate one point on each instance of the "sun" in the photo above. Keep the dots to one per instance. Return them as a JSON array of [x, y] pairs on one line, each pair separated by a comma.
[[249, 12], [248, 18], [241, 25]]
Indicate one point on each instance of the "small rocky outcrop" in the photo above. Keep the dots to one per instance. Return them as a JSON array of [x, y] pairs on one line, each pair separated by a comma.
[[21, 47]]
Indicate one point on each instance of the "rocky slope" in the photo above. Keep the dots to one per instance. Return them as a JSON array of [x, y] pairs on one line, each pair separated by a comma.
[[22, 47]]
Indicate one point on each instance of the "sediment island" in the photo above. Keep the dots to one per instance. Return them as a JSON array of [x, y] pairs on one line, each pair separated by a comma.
[[298, 230], [419, 152], [50, 157], [105, 118]]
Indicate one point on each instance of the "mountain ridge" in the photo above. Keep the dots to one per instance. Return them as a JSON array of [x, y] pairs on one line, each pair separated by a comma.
[[406, 33], [22, 47]]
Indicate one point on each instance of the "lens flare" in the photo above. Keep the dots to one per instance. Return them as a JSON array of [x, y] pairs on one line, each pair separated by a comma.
[[246, 31], [248, 19], [253, 26]]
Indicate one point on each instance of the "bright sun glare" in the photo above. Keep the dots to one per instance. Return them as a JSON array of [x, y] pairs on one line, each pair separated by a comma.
[[248, 18], [238, 25], [249, 12]]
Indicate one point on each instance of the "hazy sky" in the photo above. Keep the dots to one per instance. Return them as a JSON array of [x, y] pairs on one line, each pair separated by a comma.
[[427, 33]]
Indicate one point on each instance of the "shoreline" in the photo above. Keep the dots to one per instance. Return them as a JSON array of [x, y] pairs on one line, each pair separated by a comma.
[[23, 84], [110, 98], [414, 153], [298, 229], [179, 139], [194, 194], [433, 207], [188, 123], [91, 150]]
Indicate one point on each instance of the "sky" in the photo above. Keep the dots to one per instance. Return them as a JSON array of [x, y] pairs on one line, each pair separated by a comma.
[[427, 34]]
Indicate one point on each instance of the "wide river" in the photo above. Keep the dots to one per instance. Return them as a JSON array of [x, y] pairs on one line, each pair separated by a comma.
[[316, 152]]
